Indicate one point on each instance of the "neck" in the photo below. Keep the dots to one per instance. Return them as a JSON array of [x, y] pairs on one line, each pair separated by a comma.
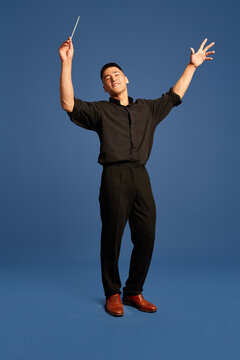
[[123, 98]]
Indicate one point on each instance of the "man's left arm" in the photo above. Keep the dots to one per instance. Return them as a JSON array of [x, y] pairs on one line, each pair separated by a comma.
[[196, 60]]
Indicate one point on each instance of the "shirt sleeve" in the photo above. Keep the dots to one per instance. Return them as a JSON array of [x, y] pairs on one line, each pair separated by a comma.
[[85, 114], [162, 106]]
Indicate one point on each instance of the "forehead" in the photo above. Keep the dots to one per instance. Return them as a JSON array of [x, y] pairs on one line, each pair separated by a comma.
[[111, 70]]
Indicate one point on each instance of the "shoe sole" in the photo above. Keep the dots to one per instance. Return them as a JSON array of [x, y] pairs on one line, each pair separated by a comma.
[[138, 307]]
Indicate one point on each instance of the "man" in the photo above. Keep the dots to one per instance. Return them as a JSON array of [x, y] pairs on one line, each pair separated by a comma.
[[125, 128]]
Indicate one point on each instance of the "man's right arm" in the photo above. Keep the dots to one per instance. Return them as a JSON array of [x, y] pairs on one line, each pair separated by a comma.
[[66, 87]]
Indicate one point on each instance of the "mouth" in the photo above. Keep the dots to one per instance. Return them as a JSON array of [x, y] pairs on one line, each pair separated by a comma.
[[115, 85]]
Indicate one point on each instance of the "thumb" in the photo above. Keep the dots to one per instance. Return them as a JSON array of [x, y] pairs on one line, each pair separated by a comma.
[[192, 50]]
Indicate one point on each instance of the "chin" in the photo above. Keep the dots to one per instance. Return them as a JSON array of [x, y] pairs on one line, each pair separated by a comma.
[[116, 92]]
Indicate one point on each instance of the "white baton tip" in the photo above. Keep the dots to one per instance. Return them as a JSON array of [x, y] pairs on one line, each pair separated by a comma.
[[75, 27]]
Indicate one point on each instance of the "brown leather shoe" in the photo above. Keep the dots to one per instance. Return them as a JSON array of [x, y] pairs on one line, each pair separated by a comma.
[[139, 302], [114, 305]]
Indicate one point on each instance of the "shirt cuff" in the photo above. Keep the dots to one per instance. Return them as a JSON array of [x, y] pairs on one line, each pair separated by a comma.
[[177, 100]]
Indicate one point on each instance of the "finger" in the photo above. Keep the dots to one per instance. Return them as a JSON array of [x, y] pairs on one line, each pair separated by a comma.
[[64, 45], [67, 43], [192, 51], [207, 47], [208, 58], [203, 43], [210, 52]]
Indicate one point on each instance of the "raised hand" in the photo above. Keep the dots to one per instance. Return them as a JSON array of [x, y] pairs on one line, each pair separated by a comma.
[[66, 50], [201, 55]]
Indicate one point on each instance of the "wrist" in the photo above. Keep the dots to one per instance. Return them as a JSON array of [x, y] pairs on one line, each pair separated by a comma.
[[66, 63], [192, 66]]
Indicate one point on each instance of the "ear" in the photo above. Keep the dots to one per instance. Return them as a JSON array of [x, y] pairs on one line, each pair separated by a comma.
[[104, 89], [127, 81]]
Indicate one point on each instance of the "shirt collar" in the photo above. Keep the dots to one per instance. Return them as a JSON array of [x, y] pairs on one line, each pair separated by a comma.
[[116, 101]]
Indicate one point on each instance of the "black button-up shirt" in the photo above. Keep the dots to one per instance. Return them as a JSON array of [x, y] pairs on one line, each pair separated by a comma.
[[125, 132]]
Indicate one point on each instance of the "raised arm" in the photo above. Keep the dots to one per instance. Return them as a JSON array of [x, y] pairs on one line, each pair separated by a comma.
[[195, 60], [66, 87]]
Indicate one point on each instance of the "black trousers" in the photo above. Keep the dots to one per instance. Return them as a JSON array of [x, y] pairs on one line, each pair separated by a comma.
[[126, 195]]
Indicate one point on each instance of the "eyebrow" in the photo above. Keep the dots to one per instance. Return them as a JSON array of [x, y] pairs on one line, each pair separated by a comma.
[[116, 71]]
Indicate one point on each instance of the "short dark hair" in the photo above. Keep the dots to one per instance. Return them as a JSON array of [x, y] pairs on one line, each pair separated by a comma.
[[107, 66]]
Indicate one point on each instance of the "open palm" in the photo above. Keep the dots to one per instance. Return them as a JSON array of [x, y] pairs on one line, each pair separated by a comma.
[[201, 55]]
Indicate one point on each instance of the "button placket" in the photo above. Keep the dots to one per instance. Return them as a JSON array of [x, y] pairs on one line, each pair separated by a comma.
[[133, 133]]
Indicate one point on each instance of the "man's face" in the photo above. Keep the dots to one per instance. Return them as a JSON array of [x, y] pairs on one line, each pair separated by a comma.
[[114, 81]]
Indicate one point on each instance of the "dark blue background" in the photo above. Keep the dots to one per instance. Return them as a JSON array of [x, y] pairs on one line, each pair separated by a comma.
[[50, 176]]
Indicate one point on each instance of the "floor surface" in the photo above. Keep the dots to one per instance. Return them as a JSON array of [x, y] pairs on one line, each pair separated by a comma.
[[56, 311]]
